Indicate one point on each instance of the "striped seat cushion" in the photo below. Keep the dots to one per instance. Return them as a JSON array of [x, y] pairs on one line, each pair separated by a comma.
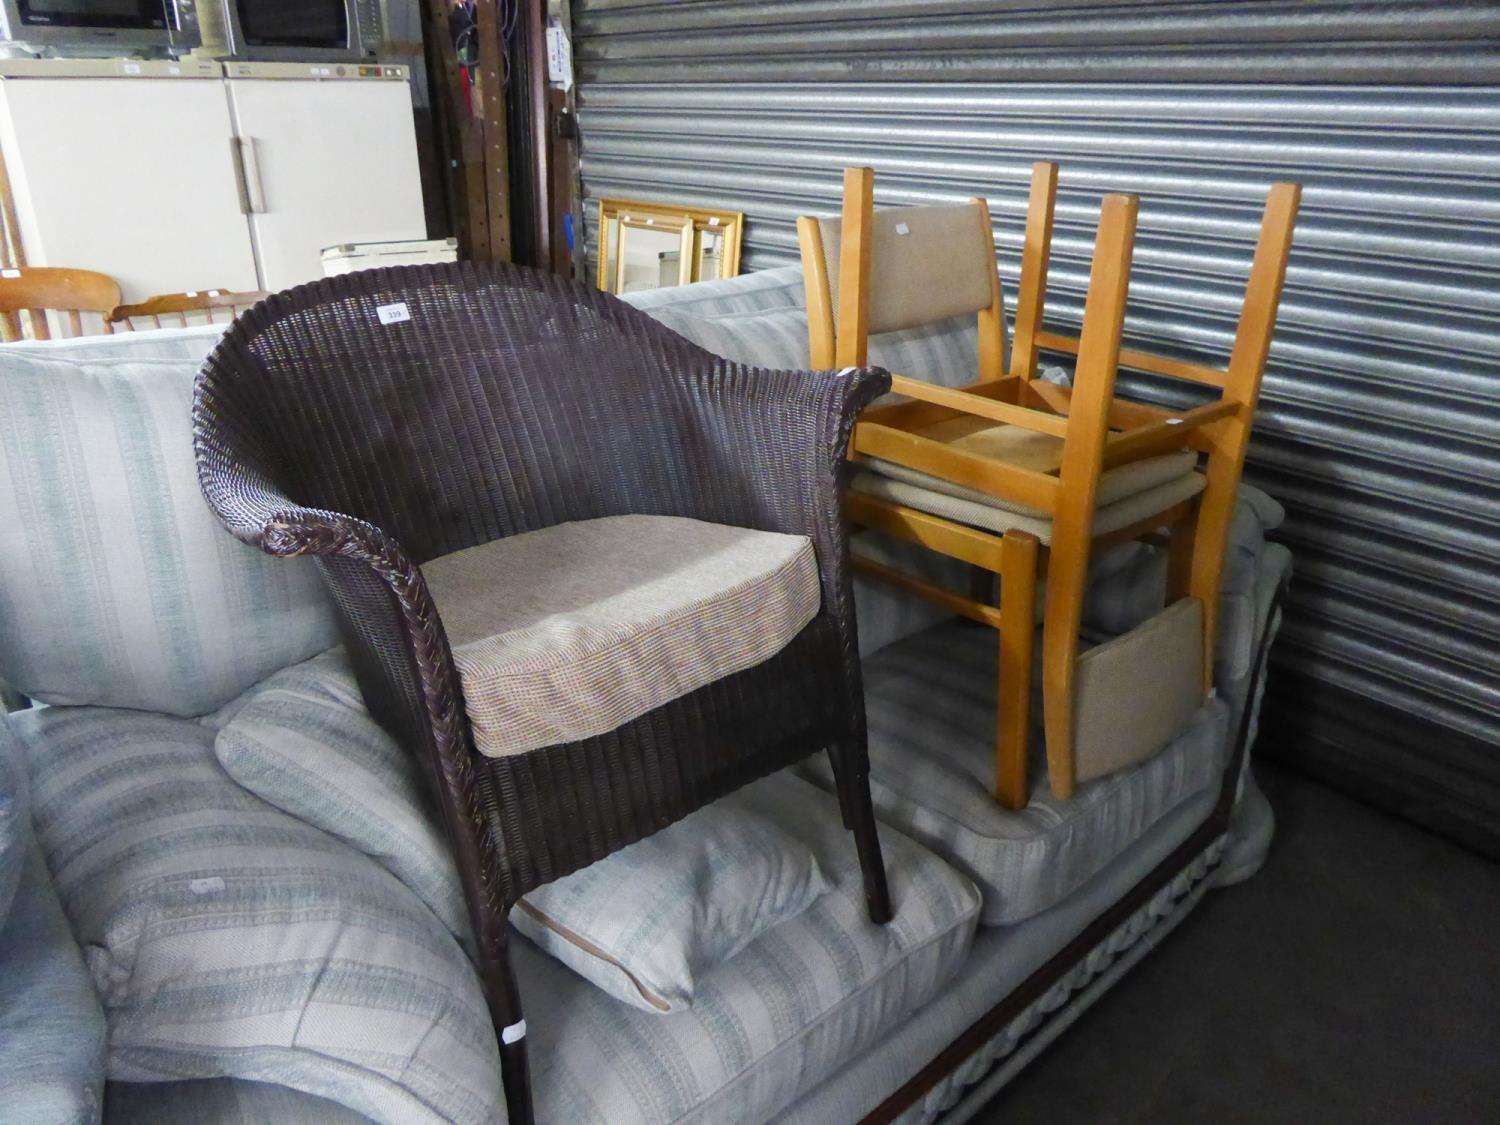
[[930, 701], [571, 631], [226, 938], [118, 586]]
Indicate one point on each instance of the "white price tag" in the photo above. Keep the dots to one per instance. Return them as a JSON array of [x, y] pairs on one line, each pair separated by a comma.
[[10, 273], [559, 56], [713, 220], [902, 228], [393, 314], [131, 68], [206, 886]]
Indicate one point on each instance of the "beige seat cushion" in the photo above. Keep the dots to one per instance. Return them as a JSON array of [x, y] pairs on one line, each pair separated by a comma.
[[1126, 495], [571, 631]]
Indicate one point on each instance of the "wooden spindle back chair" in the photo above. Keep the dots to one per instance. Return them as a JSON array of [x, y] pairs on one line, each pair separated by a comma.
[[213, 306], [1064, 458], [39, 289]]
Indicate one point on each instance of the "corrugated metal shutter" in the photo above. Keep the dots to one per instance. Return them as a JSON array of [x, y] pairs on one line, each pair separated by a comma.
[[1379, 426]]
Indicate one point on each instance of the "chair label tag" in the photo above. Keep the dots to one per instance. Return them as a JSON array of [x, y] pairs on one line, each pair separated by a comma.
[[514, 1033], [393, 314], [212, 885], [10, 273], [902, 228]]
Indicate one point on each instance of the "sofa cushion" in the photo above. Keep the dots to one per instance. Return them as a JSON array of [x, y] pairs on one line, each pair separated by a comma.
[[118, 587], [760, 291], [304, 742], [643, 924], [647, 923], [51, 1029], [228, 939], [770, 1023], [930, 702], [571, 631], [15, 818]]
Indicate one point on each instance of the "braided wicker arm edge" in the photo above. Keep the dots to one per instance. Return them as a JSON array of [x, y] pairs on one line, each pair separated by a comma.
[[256, 512]]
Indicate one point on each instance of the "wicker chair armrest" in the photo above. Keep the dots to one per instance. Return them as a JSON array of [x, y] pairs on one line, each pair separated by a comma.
[[777, 442]]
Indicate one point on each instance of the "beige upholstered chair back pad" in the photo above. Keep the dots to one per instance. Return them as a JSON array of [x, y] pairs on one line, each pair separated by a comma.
[[941, 267]]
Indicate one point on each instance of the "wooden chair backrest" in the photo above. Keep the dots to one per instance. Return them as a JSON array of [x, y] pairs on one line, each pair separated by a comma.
[[1224, 438], [936, 263], [180, 306], [39, 289]]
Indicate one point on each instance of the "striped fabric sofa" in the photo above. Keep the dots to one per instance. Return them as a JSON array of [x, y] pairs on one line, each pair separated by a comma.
[[258, 965]]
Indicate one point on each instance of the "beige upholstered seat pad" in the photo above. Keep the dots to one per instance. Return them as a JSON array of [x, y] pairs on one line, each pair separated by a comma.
[[1017, 445], [571, 631], [1143, 490]]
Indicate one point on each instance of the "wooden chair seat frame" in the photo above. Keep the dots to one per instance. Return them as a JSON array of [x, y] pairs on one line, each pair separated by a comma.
[[1097, 432]]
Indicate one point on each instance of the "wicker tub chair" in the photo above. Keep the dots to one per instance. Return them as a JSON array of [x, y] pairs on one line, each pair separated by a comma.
[[388, 418]]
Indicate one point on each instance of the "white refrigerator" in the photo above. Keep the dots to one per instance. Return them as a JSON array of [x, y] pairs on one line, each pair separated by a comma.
[[176, 184]]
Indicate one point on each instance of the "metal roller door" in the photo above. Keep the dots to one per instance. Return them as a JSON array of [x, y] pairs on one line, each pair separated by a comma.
[[1380, 422]]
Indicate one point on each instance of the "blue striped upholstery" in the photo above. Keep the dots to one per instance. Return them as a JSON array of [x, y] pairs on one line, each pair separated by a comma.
[[771, 1023], [654, 916], [226, 938], [118, 587], [931, 706]]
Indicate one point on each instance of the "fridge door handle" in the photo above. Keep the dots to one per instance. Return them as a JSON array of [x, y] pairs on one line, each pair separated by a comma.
[[247, 175], [237, 159]]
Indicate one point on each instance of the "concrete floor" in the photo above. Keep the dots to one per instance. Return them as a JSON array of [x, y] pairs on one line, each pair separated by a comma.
[[1356, 978]]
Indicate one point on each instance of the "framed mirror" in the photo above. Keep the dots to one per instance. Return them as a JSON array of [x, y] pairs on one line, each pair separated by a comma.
[[637, 249]]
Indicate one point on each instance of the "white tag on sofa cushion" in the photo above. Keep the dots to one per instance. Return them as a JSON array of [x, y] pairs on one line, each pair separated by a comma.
[[393, 314]]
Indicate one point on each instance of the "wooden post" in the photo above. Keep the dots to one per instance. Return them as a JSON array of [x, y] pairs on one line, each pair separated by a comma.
[[1031, 295], [1083, 457], [853, 336]]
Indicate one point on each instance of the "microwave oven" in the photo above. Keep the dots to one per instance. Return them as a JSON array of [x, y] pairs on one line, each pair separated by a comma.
[[302, 30], [101, 27]]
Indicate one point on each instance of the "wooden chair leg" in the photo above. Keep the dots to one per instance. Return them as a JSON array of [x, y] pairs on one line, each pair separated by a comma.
[[854, 772], [1180, 557], [1018, 555]]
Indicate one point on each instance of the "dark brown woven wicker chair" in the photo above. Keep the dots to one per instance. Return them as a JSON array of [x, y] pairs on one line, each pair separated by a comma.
[[386, 418]]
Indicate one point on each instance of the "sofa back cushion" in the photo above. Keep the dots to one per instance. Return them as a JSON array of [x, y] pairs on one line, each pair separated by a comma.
[[226, 938], [118, 587]]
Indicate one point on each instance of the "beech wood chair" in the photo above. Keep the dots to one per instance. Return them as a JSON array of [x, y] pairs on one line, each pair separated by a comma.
[[953, 468], [39, 289], [206, 303], [394, 422]]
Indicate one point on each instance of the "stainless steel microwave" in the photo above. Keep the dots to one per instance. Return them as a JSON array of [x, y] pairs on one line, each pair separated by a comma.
[[101, 27], [303, 30]]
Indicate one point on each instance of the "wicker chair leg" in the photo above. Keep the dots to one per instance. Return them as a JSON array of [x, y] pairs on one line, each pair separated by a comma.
[[505, 1009], [855, 781], [841, 787]]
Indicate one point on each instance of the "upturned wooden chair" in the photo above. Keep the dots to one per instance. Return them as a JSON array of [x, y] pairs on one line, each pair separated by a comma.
[[207, 306], [1026, 478], [39, 289], [493, 466]]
